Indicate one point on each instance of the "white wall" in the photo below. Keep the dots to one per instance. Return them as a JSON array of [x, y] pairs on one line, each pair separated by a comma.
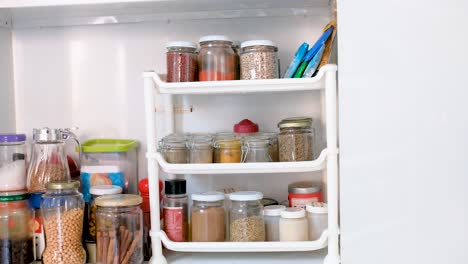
[[7, 101]]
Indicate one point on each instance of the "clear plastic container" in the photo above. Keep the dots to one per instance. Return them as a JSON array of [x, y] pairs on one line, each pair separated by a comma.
[[227, 150], [62, 209], [207, 217], [272, 215], [175, 210], [256, 150], [293, 225], [16, 230], [201, 149], [273, 145], [246, 217], [259, 60], [182, 61], [174, 149], [216, 59], [295, 140], [317, 217], [12, 162], [119, 222]]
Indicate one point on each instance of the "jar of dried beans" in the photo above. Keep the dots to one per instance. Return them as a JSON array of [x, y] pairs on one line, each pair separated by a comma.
[[201, 149], [295, 139], [174, 149], [207, 217], [182, 61], [246, 217], [259, 60], [216, 59], [228, 150]]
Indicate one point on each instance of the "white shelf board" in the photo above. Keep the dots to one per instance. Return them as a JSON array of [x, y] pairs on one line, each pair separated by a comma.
[[277, 246], [242, 86], [242, 168]]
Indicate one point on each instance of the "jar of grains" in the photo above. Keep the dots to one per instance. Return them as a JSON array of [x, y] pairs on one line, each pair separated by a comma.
[[293, 225], [259, 60], [256, 150], [228, 150], [12, 162], [201, 149], [216, 59], [273, 146], [98, 191], [207, 217], [295, 139], [119, 237], [246, 217], [174, 149], [62, 209], [16, 228], [181, 61], [272, 215]]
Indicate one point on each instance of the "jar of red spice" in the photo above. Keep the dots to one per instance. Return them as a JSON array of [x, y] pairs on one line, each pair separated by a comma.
[[304, 193], [182, 62], [216, 59]]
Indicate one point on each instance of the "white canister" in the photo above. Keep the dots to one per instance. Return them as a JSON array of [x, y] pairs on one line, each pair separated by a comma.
[[272, 215], [317, 217], [293, 225]]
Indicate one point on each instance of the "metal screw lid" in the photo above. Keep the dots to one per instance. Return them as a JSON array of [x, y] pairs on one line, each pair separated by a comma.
[[62, 185], [295, 122]]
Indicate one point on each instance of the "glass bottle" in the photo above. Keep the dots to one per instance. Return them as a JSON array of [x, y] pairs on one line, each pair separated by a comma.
[[175, 210], [201, 150], [216, 59], [246, 217], [182, 61], [256, 150], [12, 162], [295, 140], [207, 217]]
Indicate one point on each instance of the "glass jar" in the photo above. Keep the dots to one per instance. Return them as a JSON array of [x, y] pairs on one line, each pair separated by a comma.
[[207, 217], [293, 225], [258, 60], [272, 215], [227, 150], [16, 228], [201, 149], [246, 217], [317, 217], [12, 162], [175, 210], [256, 150], [273, 145], [174, 149], [295, 139], [216, 59], [62, 209], [181, 59], [119, 222]]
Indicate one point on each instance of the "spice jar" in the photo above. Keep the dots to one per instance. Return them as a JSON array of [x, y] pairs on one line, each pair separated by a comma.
[[227, 150], [181, 59], [273, 145], [317, 217], [16, 228], [295, 139], [303, 193], [256, 150], [62, 209], [272, 215], [201, 149], [259, 60], [246, 217], [207, 217], [293, 225], [216, 59], [12, 162], [174, 149], [175, 210]]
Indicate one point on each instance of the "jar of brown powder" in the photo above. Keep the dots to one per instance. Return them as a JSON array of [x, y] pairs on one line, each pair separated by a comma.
[[207, 222]]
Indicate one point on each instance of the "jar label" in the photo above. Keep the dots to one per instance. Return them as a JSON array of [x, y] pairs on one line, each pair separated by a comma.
[[174, 223], [302, 202]]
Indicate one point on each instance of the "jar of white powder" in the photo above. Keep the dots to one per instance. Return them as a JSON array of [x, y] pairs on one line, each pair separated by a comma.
[[12, 162]]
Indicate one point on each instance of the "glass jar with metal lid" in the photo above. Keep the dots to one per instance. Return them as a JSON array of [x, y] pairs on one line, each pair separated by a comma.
[[216, 59], [12, 162], [201, 149], [16, 228], [119, 222], [62, 209], [174, 149], [256, 149], [181, 59], [227, 150], [295, 139], [273, 145], [246, 217], [259, 60]]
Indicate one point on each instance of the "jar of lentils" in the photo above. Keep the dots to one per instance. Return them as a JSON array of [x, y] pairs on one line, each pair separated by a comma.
[[295, 139], [201, 149], [216, 59], [259, 60], [174, 149], [181, 61], [246, 222]]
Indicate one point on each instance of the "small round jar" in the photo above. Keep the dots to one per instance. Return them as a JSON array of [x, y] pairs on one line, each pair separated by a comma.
[[16, 228], [295, 139], [98, 191], [207, 217], [246, 222], [259, 60], [272, 215], [174, 149], [317, 217], [256, 150], [273, 146], [182, 64], [302, 193], [62, 209], [201, 149], [293, 225], [119, 222], [216, 59], [228, 150], [12, 162]]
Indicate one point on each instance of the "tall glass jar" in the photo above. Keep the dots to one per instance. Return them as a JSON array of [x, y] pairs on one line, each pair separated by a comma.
[[119, 222], [259, 60], [227, 150], [16, 228], [182, 64], [62, 209], [273, 146], [12, 162], [295, 140], [174, 149], [246, 217], [256, 150], [207, 217], [201, 149], [175, 210], [216, 59]]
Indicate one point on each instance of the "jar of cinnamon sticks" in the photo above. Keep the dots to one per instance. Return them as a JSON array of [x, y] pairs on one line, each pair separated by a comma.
[[119, 225]]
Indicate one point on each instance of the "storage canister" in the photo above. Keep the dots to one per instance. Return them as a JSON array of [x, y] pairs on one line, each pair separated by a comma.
[[175, 210], [16, 228], [273, 145], [303, 193], [201, 149], [227, 150], [293, 225], [207, 217], [216, 59], [12, 162], [246, 217], [295, 139], [317, 217], [119, 237], [182, 61], [62, 208], [245, 128], [272, 215], [174, 149], [256, 150], [259, 60]]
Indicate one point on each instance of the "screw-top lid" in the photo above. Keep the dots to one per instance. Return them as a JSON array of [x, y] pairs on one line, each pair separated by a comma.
[[246, 196], [12, 138], [317, 208], [182, 44], [47, 134], [208, 196], [246, 126], [214, 38], [177, 186], [118, 200], [13, 196], [258, 42], [62, 185], [295, 122], [304, 187], [293, 212], [273, 210], [105, 190], [35, 200]]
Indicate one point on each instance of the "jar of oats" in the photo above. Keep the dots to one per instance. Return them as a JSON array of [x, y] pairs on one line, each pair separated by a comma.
[[295, 139], [246, 222], [258, 60]]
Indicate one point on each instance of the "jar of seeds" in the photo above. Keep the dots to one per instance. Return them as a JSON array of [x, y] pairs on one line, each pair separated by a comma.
[[246, 217], [174, 149], [295, 139], [201, 149], [259, 60]]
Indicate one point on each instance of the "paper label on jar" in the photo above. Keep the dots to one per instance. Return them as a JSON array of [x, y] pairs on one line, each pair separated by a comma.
[[39, 239], [174, 223], [302, 202]]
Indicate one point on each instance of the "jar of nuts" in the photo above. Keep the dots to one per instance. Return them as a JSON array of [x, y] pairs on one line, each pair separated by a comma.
[[62, 208], [246, 222], [295, 139], [259, 60]]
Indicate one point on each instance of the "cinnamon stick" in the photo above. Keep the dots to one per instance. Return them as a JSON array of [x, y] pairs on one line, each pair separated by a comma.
[[105, 244], [111, 247], [125, 244], [136, 239], [98, 244]]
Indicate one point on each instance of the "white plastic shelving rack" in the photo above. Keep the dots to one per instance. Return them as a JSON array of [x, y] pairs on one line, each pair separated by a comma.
[[155, 86]]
